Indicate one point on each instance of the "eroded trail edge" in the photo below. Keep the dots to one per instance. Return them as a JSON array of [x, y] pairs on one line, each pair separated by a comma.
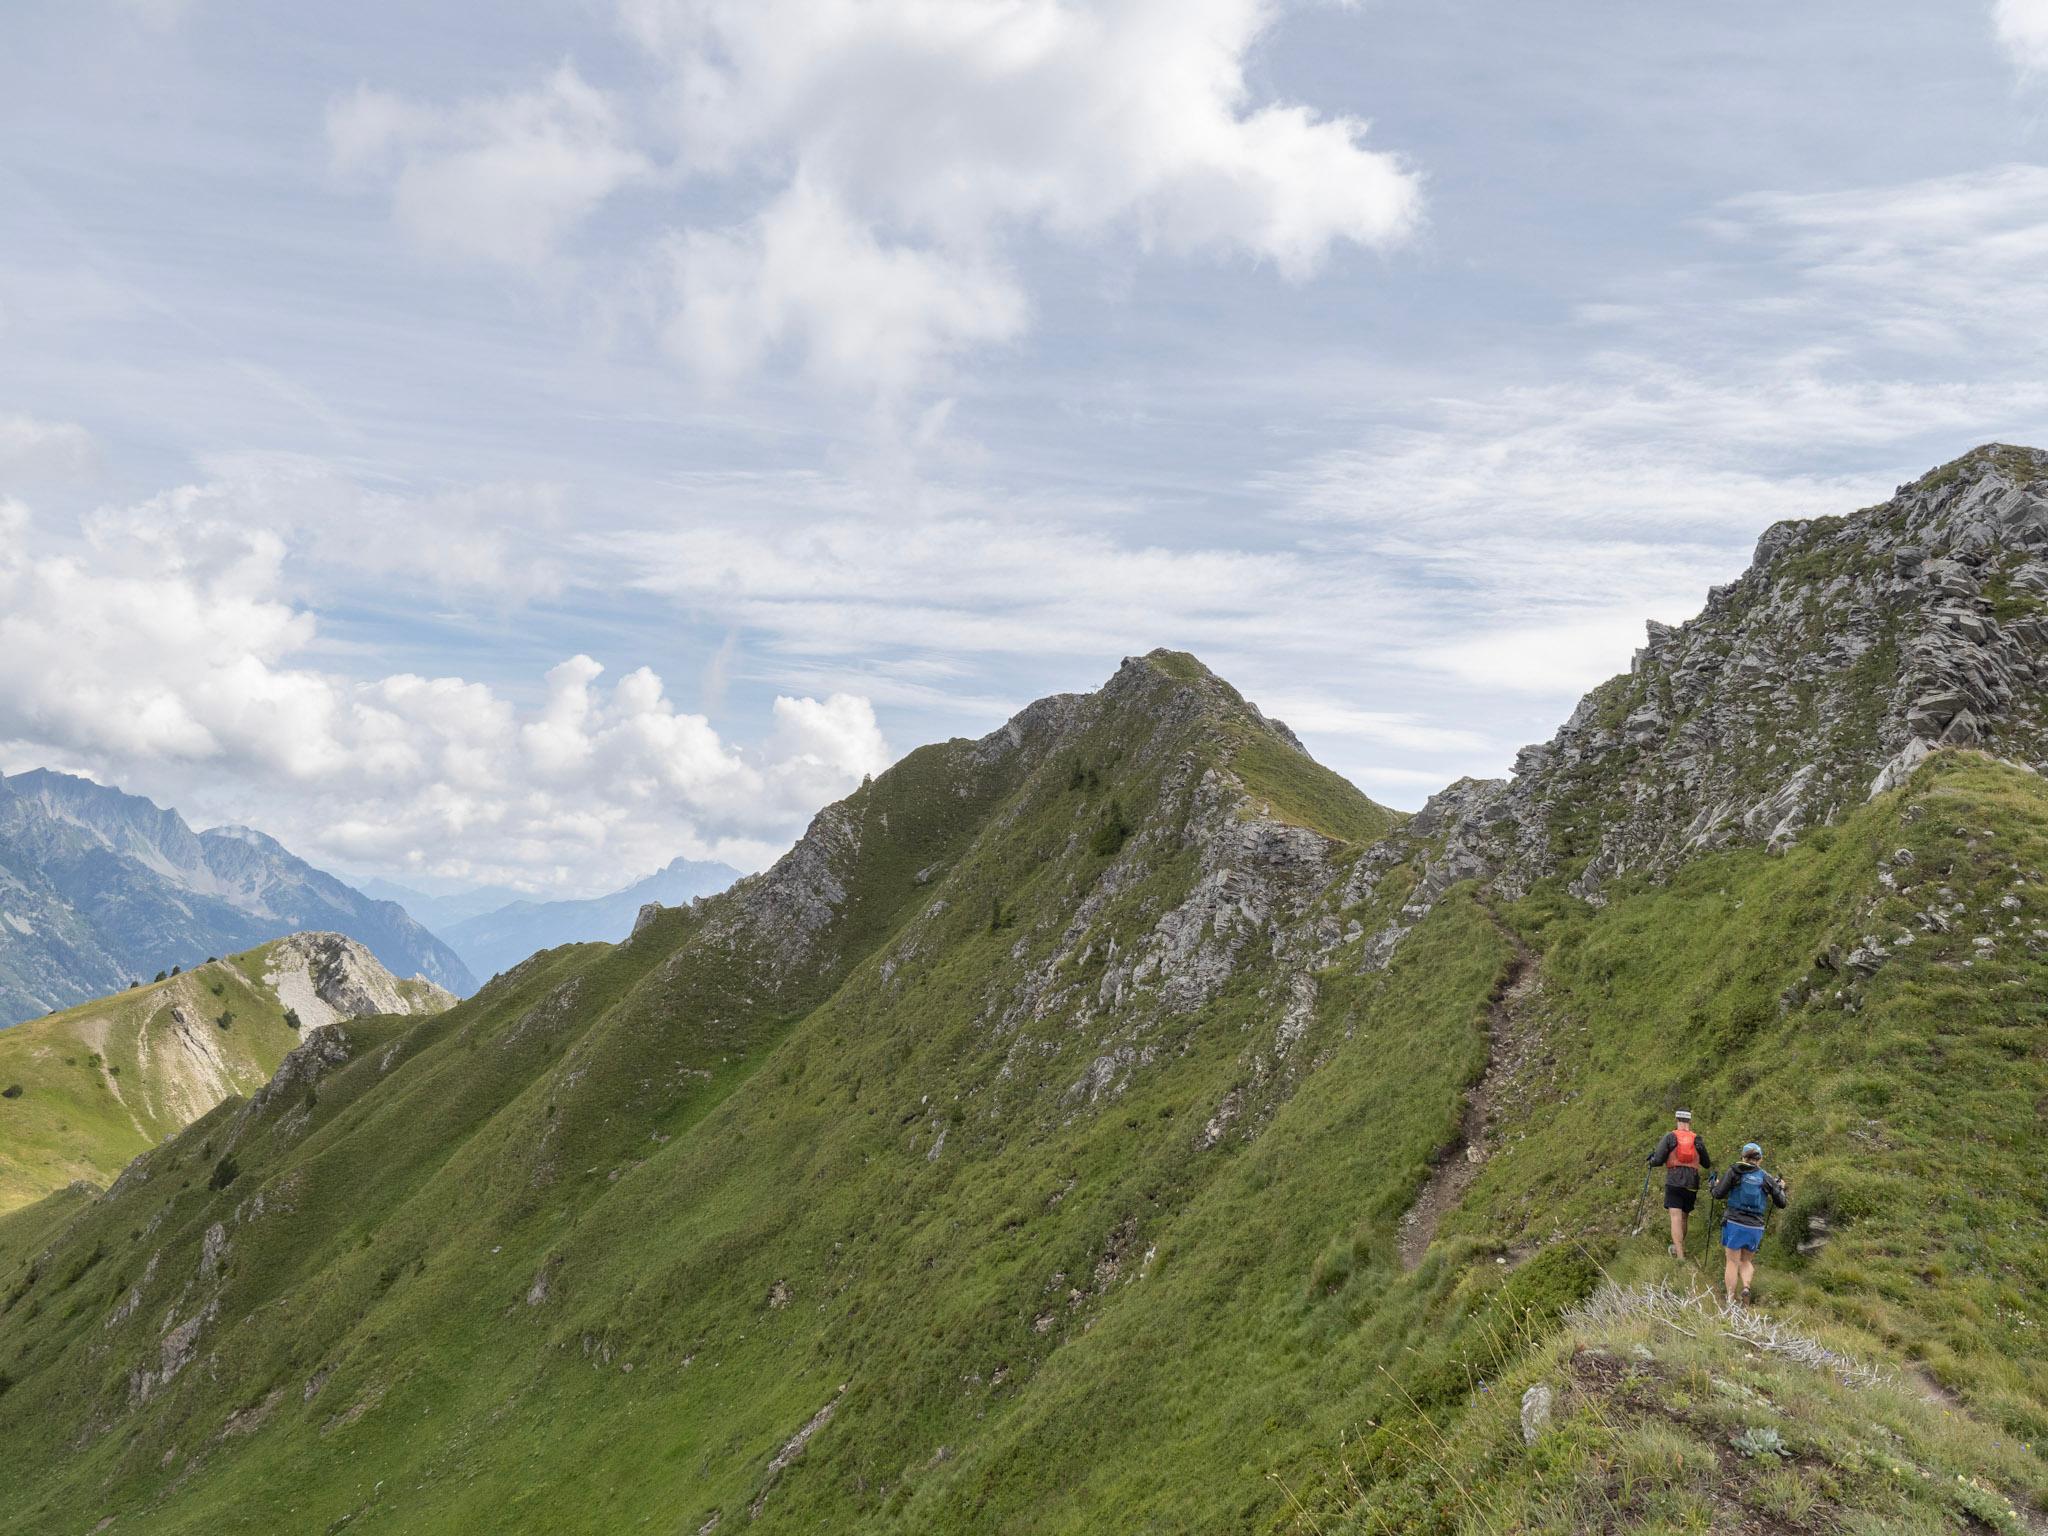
[[1514, 1042]]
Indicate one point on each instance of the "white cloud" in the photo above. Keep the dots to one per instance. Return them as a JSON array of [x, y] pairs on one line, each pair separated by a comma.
[[1565, 655], [952, 120], [802, 275], [32, 448], [920, 137], [162, 654], [885, 157], [960, 581], [1324, 716], [2023, 29], [495, 539], [501, 178]]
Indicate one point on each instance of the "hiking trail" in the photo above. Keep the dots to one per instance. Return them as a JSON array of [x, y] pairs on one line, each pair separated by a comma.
[[1514, 1043]]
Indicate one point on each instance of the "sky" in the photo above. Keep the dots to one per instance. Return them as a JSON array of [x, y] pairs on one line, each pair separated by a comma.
[[521, 445]]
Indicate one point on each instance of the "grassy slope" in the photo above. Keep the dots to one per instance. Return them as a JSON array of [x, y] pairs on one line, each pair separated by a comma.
[[1906, 1121], [569, 1133], [728, 1183], [89, 1103]]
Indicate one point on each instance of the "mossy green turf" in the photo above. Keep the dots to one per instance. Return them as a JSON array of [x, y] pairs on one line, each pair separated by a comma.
[[584, 1253], [89, 1103]]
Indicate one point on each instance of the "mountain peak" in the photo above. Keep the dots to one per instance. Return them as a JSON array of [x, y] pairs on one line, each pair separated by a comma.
[[105, 1080], [232, 832], [1141, 676]]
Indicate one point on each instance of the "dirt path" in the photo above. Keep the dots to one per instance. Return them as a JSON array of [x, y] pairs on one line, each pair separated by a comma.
[[1514, 1042]]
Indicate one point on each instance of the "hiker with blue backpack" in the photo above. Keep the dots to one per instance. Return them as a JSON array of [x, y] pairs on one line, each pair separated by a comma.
[[1750, 1192]]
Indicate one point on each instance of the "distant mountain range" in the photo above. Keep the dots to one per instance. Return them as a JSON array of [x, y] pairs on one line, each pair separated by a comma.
[[496, 940], [99, 888], [440, 913]]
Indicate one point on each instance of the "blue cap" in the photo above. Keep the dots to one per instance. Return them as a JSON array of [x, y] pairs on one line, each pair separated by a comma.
[[1751, 1149]]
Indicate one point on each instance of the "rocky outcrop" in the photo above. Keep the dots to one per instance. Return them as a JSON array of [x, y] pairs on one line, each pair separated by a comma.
[[1851, 648], [323, 977], [1104, 994]]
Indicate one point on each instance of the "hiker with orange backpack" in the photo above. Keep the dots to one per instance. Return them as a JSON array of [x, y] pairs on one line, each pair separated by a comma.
[[1750, 1192], [1681, 1154]]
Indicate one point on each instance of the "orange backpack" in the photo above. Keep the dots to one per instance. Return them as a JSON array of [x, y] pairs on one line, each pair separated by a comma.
[[1685, 1154]]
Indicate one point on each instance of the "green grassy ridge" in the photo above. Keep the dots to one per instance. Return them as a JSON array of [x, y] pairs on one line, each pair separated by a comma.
[[701, 1226], [27, 1230], [794, 1234], [89, 1103], [1903, 1121]]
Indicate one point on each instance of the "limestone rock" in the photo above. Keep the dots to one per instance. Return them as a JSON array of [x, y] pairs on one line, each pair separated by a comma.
[[323, 977], [1849, 651]]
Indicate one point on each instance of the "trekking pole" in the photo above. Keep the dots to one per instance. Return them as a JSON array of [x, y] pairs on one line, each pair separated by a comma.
[[1637, 1229]]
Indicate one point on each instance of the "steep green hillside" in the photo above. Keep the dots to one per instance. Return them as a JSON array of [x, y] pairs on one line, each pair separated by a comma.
[[1035, 1149], [1869, 1005], [84, 1091]]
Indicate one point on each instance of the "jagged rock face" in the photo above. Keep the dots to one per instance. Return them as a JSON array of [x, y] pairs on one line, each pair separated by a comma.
[[1850, 648], [327, 976], [1106, 984]]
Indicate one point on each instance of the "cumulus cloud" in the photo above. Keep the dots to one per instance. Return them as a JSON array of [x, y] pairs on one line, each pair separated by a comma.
[[2023, 29], [162, 653], [503, 178], [954, 120], [884, 157], [802, 276], [917, 138]]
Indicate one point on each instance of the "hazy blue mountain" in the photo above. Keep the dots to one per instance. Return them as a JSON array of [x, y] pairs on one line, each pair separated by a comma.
[[442, 912], [99, 888], [496, 941]]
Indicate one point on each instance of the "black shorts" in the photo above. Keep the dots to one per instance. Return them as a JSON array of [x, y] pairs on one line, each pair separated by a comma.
[[1677, 1199]]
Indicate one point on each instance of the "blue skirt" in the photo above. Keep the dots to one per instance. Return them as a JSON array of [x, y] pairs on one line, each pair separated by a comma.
[[1735, 1235]]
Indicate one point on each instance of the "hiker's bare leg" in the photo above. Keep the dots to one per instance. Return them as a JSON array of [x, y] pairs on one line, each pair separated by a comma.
[[1748, 1268], [1678, 1233], [1731, 1273]]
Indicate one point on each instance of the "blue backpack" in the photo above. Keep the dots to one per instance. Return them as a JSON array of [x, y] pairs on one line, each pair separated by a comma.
[[1747, 1197]]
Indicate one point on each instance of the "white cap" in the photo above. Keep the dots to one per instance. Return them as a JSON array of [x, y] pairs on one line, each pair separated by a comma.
[[1685, 1114]]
